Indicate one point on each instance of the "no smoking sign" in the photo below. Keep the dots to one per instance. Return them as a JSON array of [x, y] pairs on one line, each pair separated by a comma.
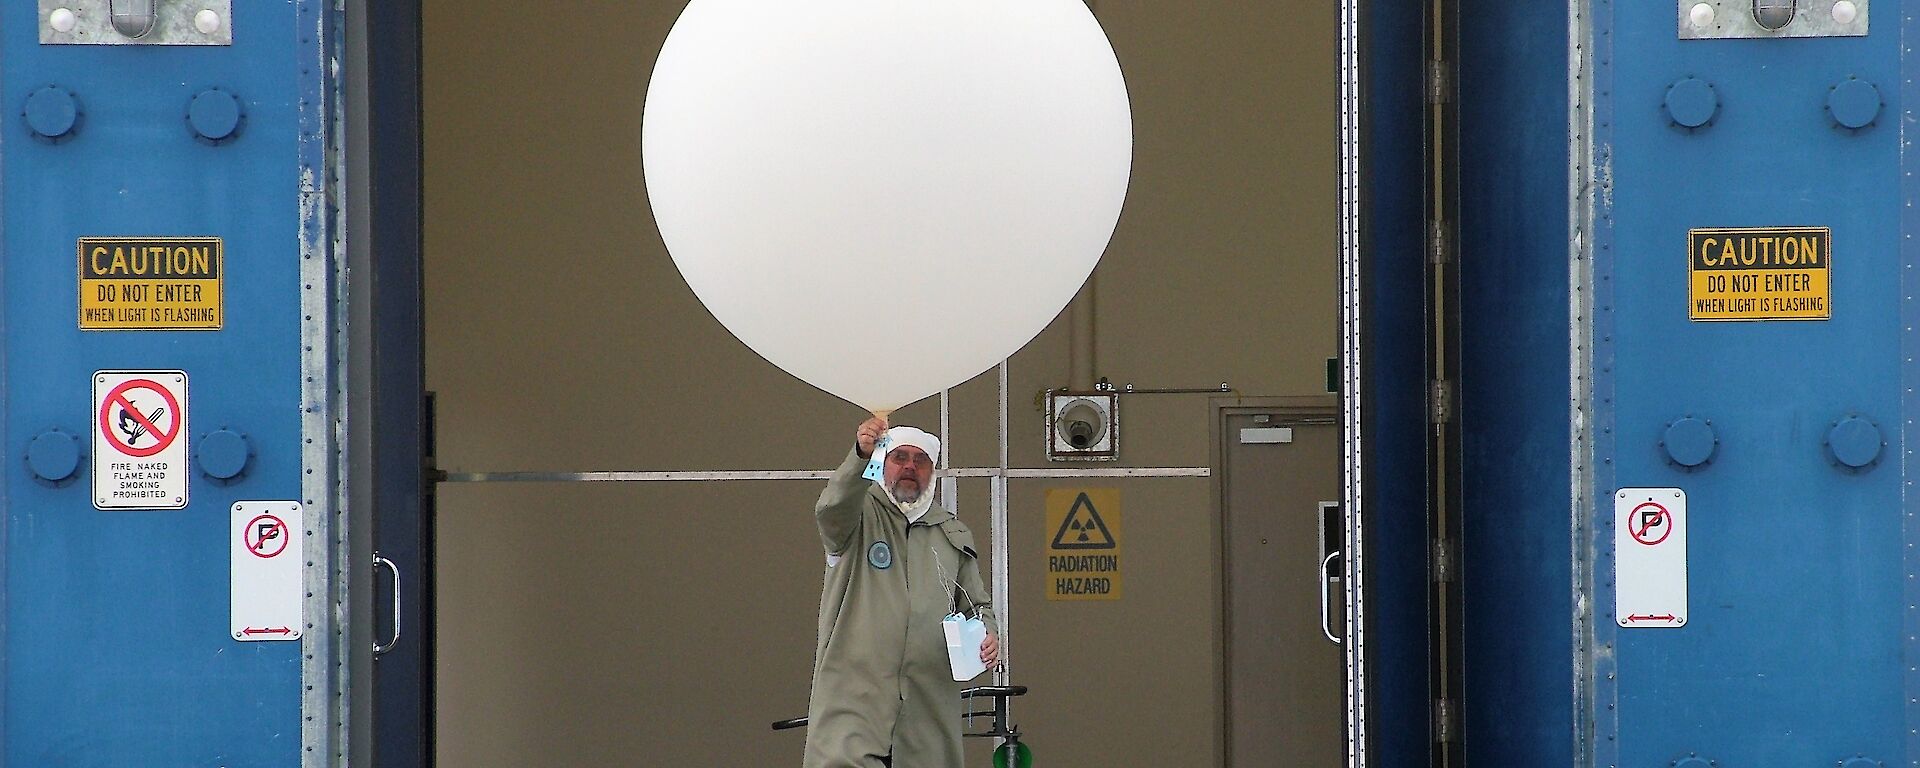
[[140, 439]]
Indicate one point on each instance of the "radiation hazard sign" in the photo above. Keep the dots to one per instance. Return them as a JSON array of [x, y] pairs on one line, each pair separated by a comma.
[[1760, 273], [139, 439], [1083, 546]]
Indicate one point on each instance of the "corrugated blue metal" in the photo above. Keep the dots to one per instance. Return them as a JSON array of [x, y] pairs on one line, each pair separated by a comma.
[[1791, 652], [1789, 657], [1513, 245], [1909, 251], [116, 643], [1395, 372]]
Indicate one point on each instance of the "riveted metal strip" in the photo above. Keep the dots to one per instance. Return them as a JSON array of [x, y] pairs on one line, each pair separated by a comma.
[[1597, 726], [1910, 375], [1351, 388], [324, 652]]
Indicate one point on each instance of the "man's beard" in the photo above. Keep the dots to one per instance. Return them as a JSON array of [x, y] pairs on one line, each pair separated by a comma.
[[905, 493]]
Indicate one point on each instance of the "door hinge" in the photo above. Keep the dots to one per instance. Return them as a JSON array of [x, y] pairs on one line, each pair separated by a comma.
[[1440, 401], [1439, 82], [1439, 242], [1446, 721], [1443, 561]]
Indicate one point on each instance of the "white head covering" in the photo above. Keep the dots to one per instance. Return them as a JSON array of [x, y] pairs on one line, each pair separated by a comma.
[[904, 436], [915, 437]]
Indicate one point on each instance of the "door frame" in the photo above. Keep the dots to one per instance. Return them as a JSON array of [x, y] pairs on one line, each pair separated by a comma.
[[1317, 407], [387, 479]]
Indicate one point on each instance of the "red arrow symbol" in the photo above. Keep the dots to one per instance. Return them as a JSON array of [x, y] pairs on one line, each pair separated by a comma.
[[266, 631], [1664, 617]]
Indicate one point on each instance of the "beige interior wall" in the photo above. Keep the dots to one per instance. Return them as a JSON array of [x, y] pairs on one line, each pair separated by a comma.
[[667, 624]]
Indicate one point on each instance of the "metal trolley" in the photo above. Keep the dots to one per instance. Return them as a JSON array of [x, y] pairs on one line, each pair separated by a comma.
[[1010, 754]]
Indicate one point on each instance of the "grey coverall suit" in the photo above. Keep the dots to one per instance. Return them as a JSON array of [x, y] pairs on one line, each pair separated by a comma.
[[881, 684]]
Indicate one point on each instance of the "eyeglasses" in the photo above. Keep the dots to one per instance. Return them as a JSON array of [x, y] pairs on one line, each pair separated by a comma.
[[902, 458]]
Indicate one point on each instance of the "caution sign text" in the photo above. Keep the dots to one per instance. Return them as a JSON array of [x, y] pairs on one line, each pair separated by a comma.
[[1760, 273], [151, 283], [1083, 547]]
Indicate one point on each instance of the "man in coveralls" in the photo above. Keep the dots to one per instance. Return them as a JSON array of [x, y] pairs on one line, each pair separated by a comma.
[[883, 693]]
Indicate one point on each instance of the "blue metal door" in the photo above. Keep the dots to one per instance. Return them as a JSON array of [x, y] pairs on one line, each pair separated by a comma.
[[1774, 404], [213, 124], [401, 451]]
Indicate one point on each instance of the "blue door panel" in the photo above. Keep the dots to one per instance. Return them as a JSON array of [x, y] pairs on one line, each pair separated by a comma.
[[1791, 654], [116, 645], [1513, 230]]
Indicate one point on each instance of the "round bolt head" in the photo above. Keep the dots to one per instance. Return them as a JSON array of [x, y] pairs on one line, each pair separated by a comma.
[[214, 114], [1691, 102], [223, 454], [1854, 442], [62, 20], [207, 22], [1854, 104], [1845, 11], [1689, 442], [54, 456], [52, 112]]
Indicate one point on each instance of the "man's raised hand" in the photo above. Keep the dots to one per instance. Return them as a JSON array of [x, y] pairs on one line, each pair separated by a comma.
[[868, 434]]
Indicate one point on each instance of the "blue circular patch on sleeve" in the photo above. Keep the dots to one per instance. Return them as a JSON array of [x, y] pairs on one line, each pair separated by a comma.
[[880, 555]]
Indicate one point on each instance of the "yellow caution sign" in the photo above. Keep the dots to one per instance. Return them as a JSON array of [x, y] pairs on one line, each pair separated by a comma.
[[1760, 273], [1083, 546], [151, 283]]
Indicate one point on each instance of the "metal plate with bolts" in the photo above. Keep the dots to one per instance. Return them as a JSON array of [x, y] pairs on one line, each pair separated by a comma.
[[175, 22], [1084, 426], [1734, 20]]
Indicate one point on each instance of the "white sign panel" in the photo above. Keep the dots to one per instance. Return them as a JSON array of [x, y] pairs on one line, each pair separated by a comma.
[[140, 439], [1650, 557], [265, 546]]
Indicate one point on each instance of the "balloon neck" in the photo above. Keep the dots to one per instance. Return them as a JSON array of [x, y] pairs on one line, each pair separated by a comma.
[[882, 415]]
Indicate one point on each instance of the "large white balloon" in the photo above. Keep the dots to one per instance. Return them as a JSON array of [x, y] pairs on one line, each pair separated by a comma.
[[886, 197]]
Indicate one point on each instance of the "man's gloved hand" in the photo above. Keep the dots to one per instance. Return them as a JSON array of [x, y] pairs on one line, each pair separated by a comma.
[[868, 434], [990, 650]]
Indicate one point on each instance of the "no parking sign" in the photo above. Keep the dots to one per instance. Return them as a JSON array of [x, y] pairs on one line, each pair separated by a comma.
[[140, 440], [266, 558], [1650, 557]]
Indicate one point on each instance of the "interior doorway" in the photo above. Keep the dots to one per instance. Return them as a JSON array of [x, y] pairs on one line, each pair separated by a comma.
[[1282, 588], [561, 339]]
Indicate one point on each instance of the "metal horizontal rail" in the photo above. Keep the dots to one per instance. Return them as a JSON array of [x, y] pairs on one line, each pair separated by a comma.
[[1018, 474], [744, 475]]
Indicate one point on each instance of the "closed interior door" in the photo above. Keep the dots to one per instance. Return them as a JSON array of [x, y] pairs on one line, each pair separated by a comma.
[[1280, 478]]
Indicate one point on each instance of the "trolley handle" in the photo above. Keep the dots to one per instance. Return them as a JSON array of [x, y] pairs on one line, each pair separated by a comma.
[[996, 691]]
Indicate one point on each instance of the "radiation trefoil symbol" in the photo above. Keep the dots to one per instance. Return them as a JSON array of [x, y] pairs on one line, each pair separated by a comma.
[[1083, 528]]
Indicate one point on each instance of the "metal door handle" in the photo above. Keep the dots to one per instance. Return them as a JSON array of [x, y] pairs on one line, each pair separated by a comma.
[[1325, 583], [378, 648]]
